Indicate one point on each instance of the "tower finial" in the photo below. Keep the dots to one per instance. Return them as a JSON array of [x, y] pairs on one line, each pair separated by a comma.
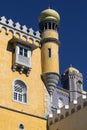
[[70, 65], [48, 4]]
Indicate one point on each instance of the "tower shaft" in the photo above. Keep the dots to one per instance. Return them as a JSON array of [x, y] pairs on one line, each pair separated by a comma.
[[49, 23], [49, 51]]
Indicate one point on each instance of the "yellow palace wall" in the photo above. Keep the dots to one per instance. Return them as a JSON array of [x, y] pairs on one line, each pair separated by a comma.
[[10, 120], [36, 91]]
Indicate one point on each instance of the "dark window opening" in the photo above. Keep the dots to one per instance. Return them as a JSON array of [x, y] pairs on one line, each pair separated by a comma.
[[49, 52], [23, 52], [21, 126], [49, 25], [45, 26]]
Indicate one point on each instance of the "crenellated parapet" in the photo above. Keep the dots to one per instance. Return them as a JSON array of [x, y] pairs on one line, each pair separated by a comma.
[[21, 41], [67, 110], [22, 31]]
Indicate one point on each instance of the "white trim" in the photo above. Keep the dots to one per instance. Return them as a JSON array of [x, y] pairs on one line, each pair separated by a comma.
[[13, 91]]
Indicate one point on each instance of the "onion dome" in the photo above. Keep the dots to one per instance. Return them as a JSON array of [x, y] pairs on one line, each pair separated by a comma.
[[49, 14], [71, 69]]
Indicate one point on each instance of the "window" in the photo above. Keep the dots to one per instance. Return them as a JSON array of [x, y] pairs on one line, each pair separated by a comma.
[[21, 127], [79, 85], [50, 26], [20, 91], [23, 51], [23, 55], [49, 52], [60, 102], [22, 59], [45, 26]]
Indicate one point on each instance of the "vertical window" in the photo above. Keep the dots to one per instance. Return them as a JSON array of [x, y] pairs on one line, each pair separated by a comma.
[[49, 52], [20, 91], [50, 26], [45, 26], [20, 51], [23, 52], [60, 102]]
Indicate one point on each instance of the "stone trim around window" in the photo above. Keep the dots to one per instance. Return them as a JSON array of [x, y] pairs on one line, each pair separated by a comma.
[[19, 91]]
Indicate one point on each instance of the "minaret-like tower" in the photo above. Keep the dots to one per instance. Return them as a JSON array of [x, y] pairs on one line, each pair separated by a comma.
[[72, 80], [49, 23]]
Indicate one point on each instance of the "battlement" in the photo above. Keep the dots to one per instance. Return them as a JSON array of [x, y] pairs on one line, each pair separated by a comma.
[[68, 110], [16, 28]]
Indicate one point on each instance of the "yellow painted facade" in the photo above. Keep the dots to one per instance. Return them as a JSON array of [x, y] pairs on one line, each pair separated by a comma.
[[50, 64], [35, 89], [37, 112], [32, 113], [10, 120]]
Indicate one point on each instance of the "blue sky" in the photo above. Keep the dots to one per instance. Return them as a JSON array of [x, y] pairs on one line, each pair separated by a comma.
[[73, 27]]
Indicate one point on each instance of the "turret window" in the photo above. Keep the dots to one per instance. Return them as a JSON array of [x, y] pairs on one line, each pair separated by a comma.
[[50, 27], [49, 52], [60, 103], [45, 26], [79, 85]]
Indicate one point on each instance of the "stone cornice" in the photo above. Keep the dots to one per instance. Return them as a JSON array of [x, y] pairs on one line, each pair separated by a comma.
[[50, 40], [16, 28], [21, 112]]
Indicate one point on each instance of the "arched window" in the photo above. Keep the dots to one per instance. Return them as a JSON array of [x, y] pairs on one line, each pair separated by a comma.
[[20, 91], [60, 102]]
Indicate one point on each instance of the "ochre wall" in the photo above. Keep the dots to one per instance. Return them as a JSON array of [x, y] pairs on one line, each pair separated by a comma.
[[36, 91], [10, 120], [50, 64]]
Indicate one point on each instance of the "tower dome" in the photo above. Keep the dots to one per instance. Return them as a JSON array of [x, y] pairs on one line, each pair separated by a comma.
[[71, 69], [49, 13]]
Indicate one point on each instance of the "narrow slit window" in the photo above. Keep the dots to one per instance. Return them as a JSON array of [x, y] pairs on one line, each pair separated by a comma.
[[49, 52], [50, 26]]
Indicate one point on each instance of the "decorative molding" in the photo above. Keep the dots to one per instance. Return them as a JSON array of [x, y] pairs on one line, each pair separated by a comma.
[[22, 112], [50, 40], [16, 28], [50, 80]]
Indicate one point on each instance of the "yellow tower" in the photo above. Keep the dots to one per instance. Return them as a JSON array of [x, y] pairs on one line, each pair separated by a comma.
[[49, 23]]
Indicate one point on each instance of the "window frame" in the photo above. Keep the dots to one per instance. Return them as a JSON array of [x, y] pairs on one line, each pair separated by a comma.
[[22, 60], [13, 92], [18, 46], [60, 102]]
